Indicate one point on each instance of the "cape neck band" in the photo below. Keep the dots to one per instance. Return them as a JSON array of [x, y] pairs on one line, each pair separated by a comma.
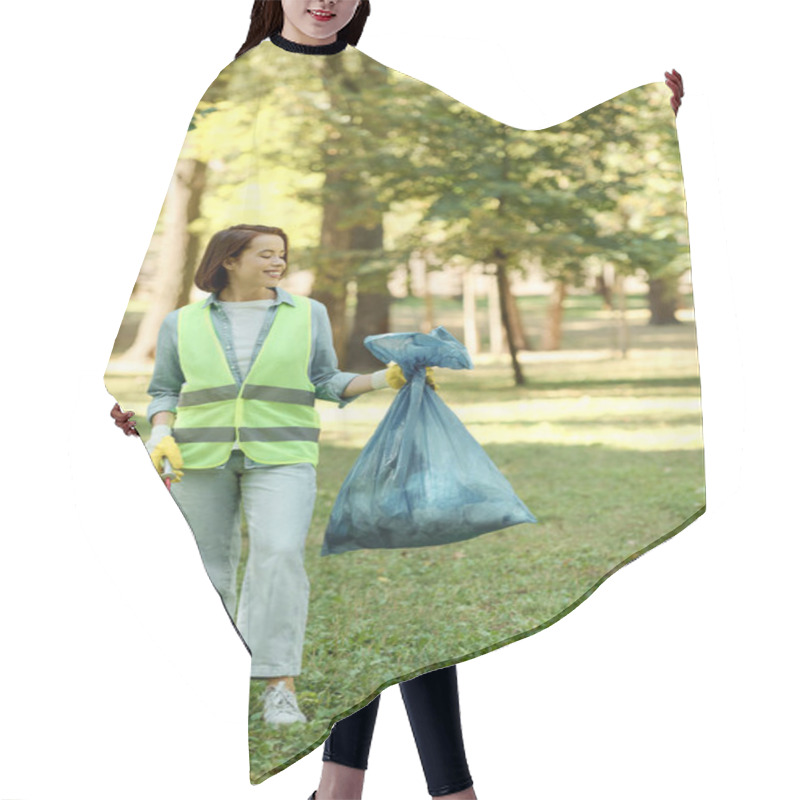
[[309, 49]]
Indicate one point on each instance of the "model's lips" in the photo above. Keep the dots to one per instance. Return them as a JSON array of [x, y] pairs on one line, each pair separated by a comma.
[[321, 15]]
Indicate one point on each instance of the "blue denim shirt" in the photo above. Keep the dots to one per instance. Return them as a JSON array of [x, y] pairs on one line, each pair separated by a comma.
[[323, 370]]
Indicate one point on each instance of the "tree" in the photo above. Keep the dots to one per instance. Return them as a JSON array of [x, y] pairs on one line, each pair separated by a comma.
[[646, 229], [177, 257], [216, 131], [335, 130], [503, 196]]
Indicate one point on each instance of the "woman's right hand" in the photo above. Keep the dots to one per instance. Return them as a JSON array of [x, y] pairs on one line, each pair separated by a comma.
[[397, 380], [162, 445]]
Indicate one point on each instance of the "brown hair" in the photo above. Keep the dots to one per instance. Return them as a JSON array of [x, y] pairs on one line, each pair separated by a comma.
[[266, 19], [211, 274]]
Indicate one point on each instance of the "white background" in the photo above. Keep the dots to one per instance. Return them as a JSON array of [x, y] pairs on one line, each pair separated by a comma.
[[120, 675]]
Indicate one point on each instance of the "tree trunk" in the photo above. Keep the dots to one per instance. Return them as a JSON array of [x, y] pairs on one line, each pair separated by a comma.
[[495, 319], [555, 317], [330, 278], [663, 297], [516, 330], [428, 322], [372, 305], [192, 242], [622, 316], [602, 289], [372, 317], [471, 337], [344, 190], [177, 259], [505, 293]]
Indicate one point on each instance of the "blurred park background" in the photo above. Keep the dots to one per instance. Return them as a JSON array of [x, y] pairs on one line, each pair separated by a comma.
[[559, 257]]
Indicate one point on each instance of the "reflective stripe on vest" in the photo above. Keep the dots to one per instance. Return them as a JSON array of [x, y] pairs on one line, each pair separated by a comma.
[[271, 415]]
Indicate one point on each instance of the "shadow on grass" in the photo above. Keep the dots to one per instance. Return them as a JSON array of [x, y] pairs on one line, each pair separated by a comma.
[[503, 389], [628, 419]]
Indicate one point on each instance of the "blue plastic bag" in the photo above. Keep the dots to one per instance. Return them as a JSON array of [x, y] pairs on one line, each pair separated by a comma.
[[422, 479]]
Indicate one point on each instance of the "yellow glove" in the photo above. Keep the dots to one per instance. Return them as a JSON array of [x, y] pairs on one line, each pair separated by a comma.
[[168, 448], [396, 379]]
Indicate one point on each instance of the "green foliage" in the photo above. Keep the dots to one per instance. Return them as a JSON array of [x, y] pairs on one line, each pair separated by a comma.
[[289, 137]]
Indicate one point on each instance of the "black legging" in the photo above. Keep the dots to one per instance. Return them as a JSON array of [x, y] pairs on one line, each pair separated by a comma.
[[432, 707]]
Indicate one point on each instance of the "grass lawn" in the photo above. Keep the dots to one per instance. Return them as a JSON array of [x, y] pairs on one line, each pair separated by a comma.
[[606, 452]]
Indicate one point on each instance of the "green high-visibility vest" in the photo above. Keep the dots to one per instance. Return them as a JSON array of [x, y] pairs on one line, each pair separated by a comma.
[[271, 415]]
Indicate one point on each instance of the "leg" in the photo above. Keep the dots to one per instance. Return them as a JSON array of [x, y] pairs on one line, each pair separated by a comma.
[[209, 499], [433, 711], [346, 753], [278, 502]]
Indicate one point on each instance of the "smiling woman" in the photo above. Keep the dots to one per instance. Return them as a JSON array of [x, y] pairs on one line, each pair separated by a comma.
[[234, 384], [316, 21], [256, 272]]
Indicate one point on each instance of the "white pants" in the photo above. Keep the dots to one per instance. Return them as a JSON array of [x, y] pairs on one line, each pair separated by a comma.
[[277, 503]]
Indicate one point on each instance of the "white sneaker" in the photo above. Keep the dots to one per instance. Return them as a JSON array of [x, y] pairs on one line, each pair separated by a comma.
[[280, 706]]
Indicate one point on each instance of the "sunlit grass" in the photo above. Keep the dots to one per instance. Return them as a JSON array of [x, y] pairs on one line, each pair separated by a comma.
[[607, 453]]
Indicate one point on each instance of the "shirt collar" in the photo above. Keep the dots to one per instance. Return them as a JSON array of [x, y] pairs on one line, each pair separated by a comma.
[[282, 296]]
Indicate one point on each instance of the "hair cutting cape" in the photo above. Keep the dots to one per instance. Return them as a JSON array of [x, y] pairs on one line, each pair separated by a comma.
[[406, 210]]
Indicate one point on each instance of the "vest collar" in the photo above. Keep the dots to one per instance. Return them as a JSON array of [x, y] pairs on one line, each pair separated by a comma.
[[282, 297]]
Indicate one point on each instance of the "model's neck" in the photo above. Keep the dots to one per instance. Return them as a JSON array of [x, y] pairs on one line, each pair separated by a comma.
[[310, 49], [294, 34]]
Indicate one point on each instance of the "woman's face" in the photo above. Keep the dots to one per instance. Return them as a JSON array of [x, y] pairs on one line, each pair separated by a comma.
[[316, 21], [259, 267]]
